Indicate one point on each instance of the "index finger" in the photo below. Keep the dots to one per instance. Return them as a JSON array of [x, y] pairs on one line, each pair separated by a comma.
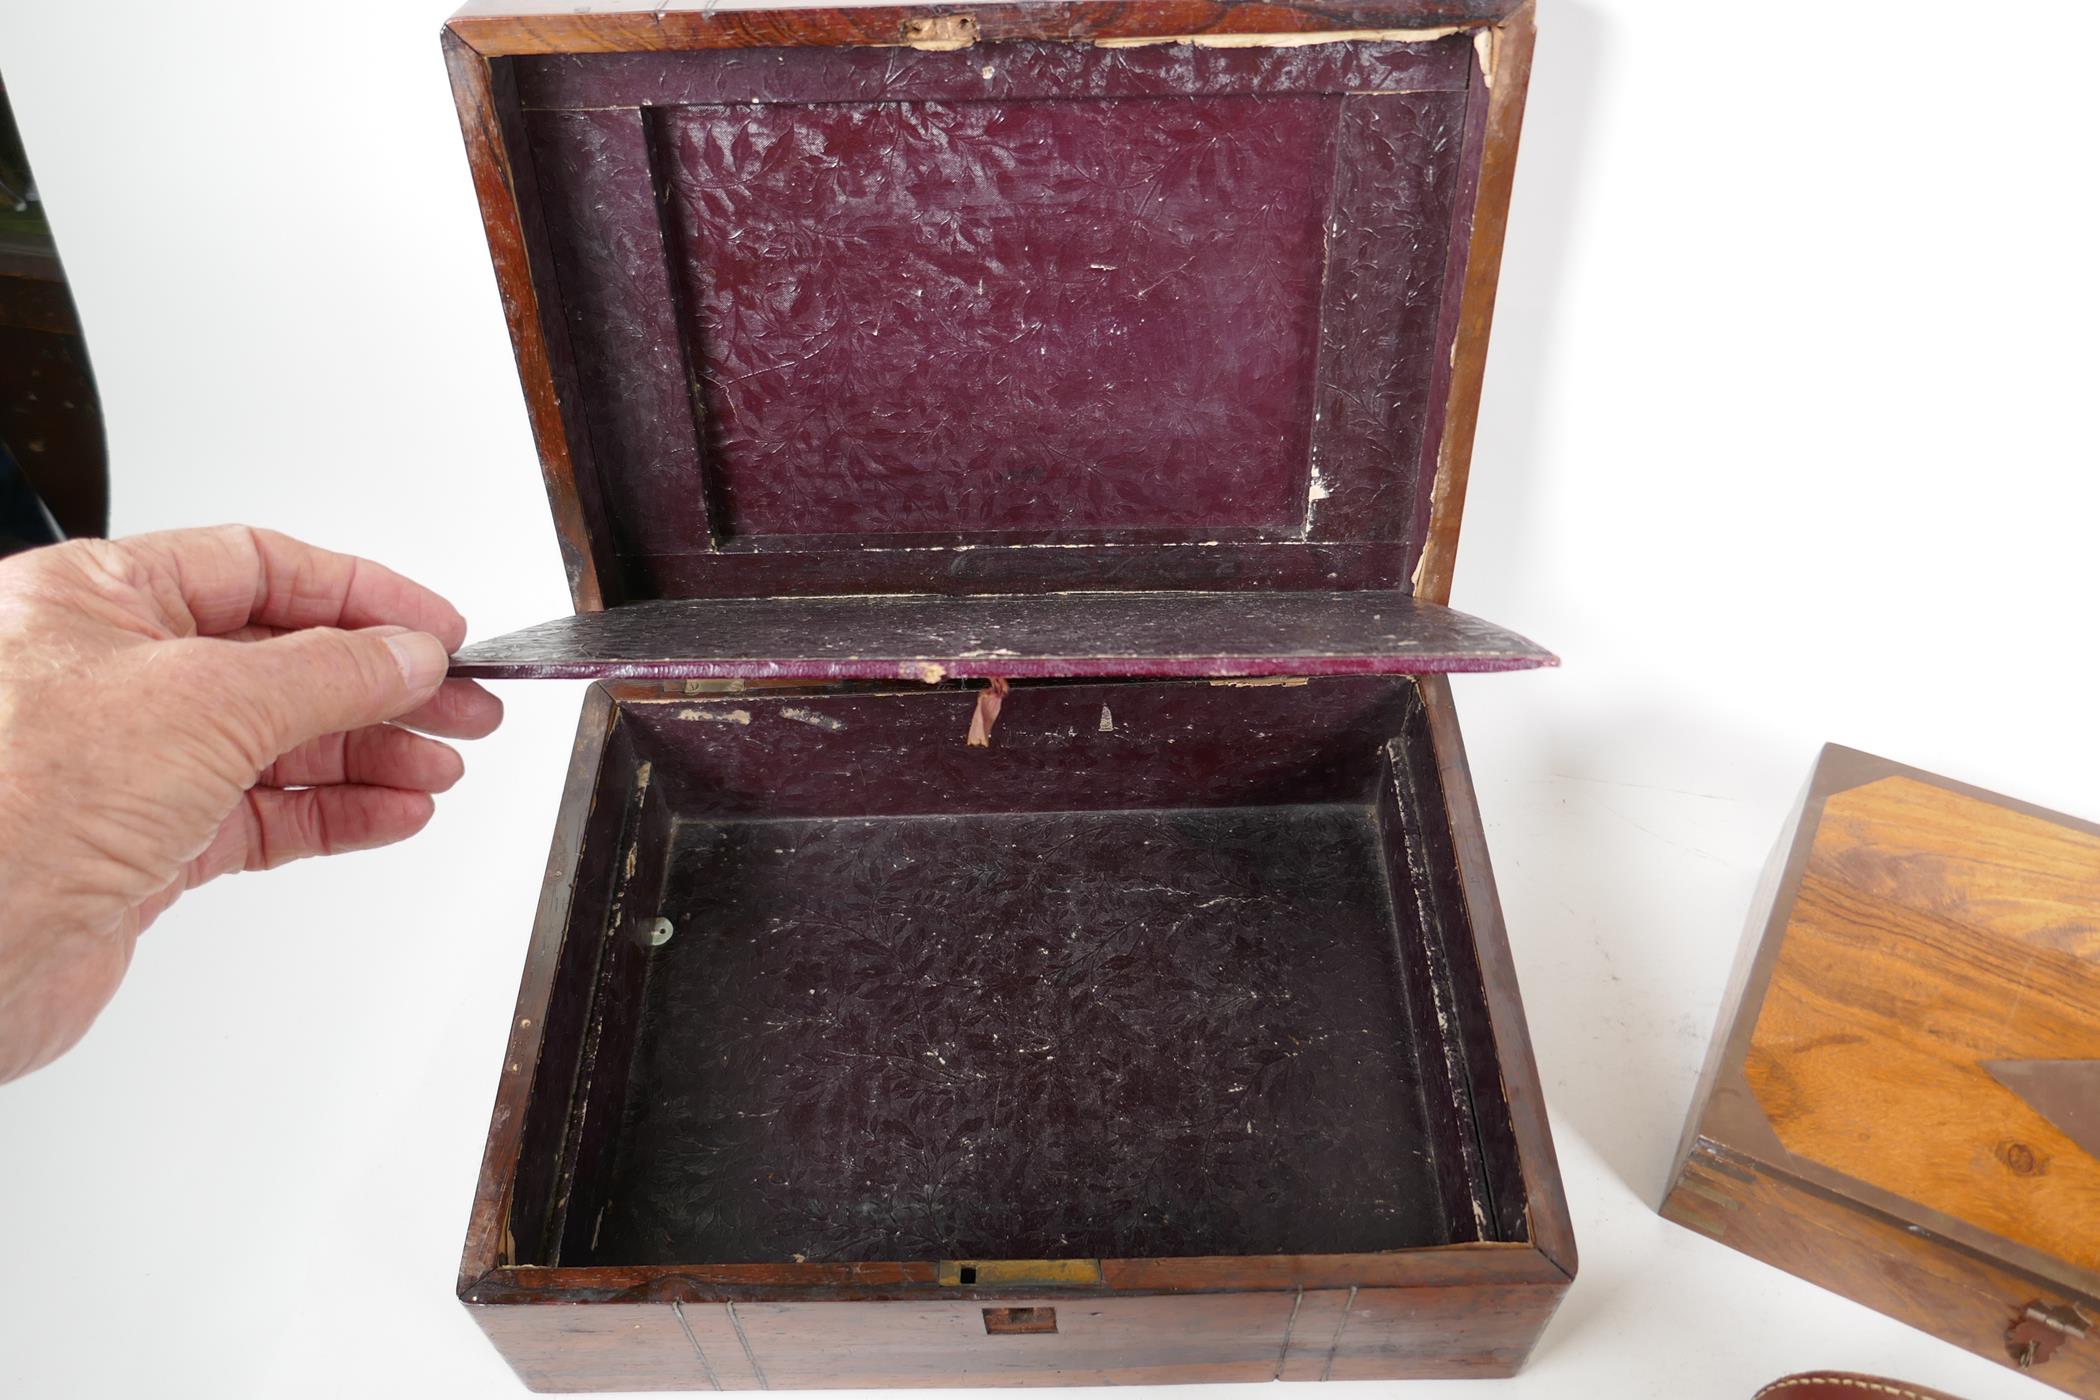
[[234, 576]]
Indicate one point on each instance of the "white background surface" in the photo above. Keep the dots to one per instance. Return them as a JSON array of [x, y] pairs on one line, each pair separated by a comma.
[[1788, 437]]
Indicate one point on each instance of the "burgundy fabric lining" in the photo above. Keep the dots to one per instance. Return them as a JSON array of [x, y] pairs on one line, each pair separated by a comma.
[[1232, 277], [1008, 320]]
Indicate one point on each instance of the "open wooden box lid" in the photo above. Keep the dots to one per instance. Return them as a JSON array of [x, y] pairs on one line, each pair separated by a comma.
[[1034, 340]]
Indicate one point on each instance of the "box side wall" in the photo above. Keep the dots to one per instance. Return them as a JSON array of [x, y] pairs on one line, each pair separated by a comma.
[[607, 1346], [1473, 1141], [1052, 748], [1912, 1276], [1337, 1334], [612, 930], [1495, 121], [546, 1028], [1441, 1334], [1737, 1182], [509, 201], [1530, 1181]]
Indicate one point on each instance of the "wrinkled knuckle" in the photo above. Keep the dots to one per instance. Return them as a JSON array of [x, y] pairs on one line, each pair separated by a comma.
[[362, 751], [378, 674], [229, 727], [259, 537], [107, 566], [304, 830], [69, 569]]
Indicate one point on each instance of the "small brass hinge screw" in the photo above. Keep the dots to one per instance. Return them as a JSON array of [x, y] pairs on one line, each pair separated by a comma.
[[2039, 1330]]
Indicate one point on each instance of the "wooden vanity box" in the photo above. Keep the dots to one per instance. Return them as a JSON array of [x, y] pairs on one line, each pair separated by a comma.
[[1149, 1018], [1903, 1103]]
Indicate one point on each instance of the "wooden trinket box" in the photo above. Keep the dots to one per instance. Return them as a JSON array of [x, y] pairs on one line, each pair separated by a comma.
[[1903, 1104], [1150, 1018]]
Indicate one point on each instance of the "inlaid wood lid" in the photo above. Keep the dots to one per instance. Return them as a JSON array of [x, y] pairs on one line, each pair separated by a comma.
[[1028, 300], [1919, 1030]]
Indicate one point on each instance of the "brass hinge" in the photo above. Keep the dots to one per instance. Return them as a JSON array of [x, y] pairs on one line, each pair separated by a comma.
[[2039, 1330]]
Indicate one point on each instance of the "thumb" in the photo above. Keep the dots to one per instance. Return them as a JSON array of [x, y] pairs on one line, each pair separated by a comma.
[[284, 691]]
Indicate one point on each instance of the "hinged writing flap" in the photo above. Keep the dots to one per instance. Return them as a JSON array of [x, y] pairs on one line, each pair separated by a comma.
[[1076, 634]]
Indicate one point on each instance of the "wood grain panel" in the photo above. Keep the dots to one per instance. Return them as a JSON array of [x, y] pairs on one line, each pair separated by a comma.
[[492, 126], [608, 1346], [1439, 1333], [724, 1352], [1933, 932], [1910, 1274], [1505, 54], [698, 1287], [1209, 1337], [1908, 932]]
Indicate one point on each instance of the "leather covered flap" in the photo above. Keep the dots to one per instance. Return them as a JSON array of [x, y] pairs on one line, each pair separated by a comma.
[[871, 637]]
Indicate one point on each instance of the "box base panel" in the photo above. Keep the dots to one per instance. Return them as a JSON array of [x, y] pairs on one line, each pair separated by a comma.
[[1118, 1034]]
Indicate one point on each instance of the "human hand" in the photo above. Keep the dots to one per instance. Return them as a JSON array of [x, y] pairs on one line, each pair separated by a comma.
[[177, 706]]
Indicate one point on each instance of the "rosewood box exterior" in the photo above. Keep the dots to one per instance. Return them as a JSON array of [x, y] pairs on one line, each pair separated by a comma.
[[1903, 1102], [1019, 913]]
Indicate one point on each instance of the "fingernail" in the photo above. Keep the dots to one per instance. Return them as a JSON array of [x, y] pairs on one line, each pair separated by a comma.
[[421, 657]]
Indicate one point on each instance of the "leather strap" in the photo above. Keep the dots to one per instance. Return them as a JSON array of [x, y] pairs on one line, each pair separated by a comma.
[[1844, 1385]]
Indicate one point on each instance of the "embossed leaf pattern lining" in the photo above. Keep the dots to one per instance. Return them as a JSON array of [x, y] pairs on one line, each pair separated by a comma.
[[1025, 1036], [1031, 316], [1397, 180], [1115, 634], [799, 292]]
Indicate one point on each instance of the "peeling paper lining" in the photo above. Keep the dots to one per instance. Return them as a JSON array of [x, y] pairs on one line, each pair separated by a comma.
[[986, 714], [719, 716], [938, 34], [1439, 490]]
